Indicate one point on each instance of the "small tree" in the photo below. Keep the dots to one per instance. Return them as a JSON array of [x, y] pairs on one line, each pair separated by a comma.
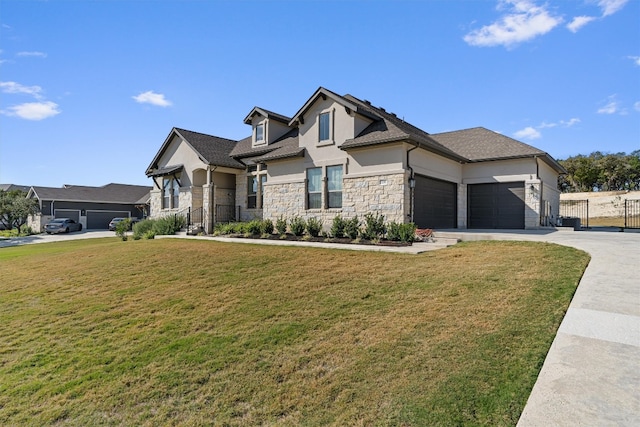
[[352, 227], [314, 226], [297, 226], [15, 208], [122, 227], [337, 227]]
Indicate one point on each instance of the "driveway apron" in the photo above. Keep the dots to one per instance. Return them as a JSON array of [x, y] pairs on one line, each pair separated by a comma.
[[591, 375]]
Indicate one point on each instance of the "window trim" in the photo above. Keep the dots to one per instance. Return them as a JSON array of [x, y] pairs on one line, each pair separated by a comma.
[[330, 140], [256, 172], [324, 188], [170, 192], [264, 138]]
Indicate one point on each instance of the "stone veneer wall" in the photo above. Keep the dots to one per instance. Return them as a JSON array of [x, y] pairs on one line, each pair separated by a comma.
[[386, 195], [383, 194], [532, 193], [155, 202]]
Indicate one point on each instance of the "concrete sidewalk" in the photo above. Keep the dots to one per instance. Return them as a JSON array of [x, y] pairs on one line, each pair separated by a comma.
[[591, 376]]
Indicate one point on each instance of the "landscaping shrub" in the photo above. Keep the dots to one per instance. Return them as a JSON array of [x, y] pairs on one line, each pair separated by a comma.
[[266, 226], [143, 229], [169, 225], [281, 225], [373, 226], [297, 226], [314, 226], [122, 227], [337, 227], [401, 232], [253, 227], [352, 227]]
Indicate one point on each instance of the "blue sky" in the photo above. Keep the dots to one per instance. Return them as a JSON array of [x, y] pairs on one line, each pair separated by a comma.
[[89, 90]]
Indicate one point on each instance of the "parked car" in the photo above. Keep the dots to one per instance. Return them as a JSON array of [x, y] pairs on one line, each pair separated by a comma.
[[62, 225], [114, 223]]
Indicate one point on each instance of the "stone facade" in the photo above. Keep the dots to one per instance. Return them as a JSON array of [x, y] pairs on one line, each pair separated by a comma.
[[286, 200], [532, 202], [386, 195]]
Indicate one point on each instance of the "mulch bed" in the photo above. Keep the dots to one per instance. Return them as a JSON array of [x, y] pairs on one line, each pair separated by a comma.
[[346, 241]]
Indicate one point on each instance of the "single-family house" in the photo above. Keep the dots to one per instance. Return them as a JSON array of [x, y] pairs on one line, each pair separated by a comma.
[[342, 155], [93, 207]]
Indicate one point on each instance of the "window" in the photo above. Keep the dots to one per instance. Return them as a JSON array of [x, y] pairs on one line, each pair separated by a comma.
[[334, 186], [252, 192], [260, 133], [255, 186], [325, 127], [170, 192], [314, 188]]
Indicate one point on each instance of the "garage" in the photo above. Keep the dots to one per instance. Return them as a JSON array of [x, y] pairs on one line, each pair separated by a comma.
[[435, 203], [74, 214], [496, 205], [99, 220]]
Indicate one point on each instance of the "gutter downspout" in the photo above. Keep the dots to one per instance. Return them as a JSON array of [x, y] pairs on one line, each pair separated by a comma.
[[411, 179]]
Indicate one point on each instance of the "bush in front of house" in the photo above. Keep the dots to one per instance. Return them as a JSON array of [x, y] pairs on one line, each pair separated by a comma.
[[314, 226], [253, 227], [374, 227], [266, 227], [352, 227], [401, 232], [297, 226], [281, 225], [169, 225], [143, 229], [337, 227], [122, 227]]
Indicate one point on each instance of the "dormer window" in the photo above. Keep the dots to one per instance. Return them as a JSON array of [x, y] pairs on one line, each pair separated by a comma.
[[260, 133]]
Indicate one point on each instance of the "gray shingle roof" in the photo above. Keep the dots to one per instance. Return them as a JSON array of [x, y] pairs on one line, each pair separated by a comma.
[[214, 150], [110, 193], [479, 144], [389, 128], [268, 114]]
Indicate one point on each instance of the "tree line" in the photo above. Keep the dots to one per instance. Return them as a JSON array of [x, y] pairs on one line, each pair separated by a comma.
[[601, 172]]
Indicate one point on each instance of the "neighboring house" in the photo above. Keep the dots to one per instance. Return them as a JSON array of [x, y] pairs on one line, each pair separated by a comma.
[[341, 155], [93, 207], [14, 187]]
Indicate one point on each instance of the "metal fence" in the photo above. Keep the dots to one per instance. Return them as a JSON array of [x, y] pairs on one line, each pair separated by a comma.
[[225, 213], [631, 213], [576, 209]]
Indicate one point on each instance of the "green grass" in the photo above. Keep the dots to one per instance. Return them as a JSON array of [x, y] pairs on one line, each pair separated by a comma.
[[177, 332]]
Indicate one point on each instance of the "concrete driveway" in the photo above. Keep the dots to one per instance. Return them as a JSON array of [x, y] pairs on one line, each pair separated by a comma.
[[45, 238], [591, 376]]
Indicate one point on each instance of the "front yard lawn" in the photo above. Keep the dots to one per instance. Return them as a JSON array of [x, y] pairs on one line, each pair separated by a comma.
[[179, 332]]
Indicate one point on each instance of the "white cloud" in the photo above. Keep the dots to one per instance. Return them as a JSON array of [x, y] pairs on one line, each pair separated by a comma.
[[150, 97], [33, 110], [36, 54], [13, 87], [611, 107], [609, 7], [570, 122], [527, 133], [564, 123], [635, 59], [523, 21], [636, 106], [579, 22]]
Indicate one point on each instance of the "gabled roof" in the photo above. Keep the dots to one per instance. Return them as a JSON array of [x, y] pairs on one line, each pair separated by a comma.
[[110, 193], [389, 128], [14, 187], [285, 146], [325, 93], [212, 150], [480, 144], [268, 114]]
